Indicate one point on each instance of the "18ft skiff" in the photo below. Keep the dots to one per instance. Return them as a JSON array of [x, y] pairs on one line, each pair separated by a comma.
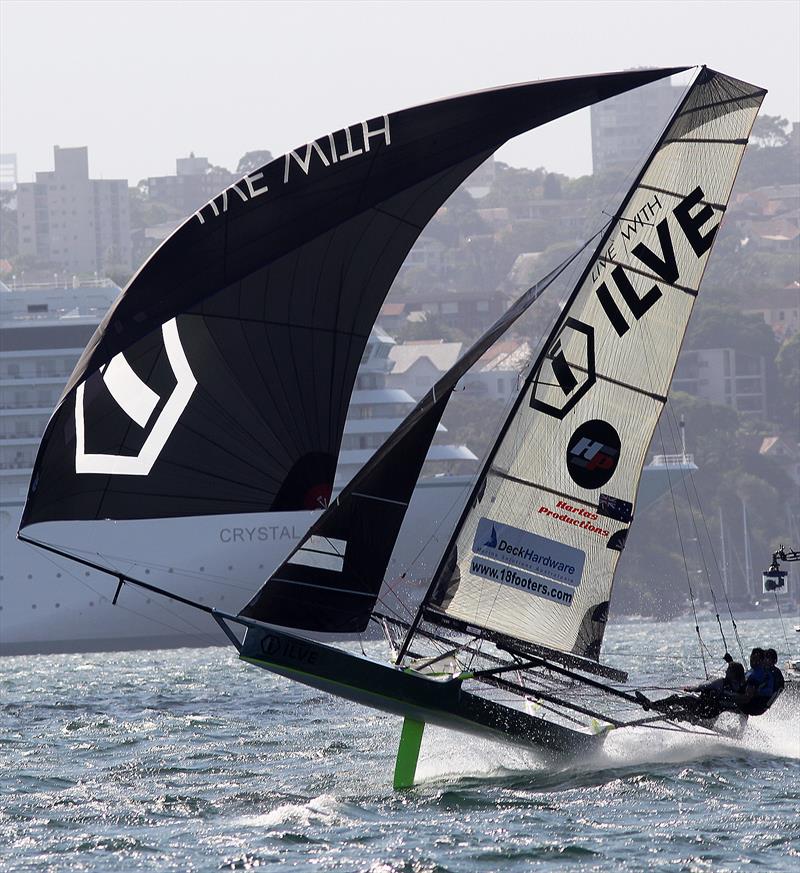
[[217, 383]]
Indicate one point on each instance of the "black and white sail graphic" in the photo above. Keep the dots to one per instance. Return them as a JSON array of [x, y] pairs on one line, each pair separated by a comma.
[[533, 557], [220, 379]]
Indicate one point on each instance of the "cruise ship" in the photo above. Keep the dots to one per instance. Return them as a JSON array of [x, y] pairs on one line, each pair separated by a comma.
[[49, 604]]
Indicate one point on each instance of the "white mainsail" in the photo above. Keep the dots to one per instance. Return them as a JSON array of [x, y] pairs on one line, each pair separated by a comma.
[[535, 553]]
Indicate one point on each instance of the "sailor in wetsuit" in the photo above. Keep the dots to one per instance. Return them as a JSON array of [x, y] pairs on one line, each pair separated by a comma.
[[759, 685], [746, 694], [771, 658], [715, 697]]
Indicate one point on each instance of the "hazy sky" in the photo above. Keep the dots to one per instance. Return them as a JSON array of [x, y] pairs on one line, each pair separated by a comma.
[[142, 83]]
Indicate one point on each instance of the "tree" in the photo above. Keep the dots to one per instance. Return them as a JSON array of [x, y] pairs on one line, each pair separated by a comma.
[[147, 213], [253, 161], [770, 131], [721, 327], [9, 238], [552, 186], [788, 402], [772, 157], [514, 188]]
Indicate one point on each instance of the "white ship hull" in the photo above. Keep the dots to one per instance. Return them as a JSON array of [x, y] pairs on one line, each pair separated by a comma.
[[51, 604]]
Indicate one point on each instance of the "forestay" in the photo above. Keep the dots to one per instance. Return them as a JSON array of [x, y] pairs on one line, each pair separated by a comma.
[[534, 556], [219, 381]]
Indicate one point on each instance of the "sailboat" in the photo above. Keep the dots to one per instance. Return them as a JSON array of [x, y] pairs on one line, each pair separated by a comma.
[[219, 379]]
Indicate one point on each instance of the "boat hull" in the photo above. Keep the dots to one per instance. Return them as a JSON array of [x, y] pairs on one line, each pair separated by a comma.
[[406, 693]]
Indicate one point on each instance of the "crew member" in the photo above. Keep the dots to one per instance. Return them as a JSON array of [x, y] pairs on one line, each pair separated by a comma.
[[771, 658], [718, 696], [759, 686]]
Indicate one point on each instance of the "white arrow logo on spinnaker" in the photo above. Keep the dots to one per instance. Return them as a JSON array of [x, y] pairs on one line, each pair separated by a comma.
[[138, 401]]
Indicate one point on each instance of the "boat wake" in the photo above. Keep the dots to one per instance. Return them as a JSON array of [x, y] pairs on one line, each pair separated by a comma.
[[774, 735]]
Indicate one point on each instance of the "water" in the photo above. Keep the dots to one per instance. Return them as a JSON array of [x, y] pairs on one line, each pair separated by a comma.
[[190, 760]]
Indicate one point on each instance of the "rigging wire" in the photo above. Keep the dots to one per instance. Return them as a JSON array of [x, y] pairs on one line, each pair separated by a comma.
[[689, 478], [701, 643], [701, 550], [202, 635], [783, 626]]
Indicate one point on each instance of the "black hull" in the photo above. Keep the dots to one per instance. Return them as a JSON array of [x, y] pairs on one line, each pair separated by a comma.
[[405, 693]]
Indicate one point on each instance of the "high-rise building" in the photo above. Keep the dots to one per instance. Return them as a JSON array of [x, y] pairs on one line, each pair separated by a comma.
[[625, 127], [195, 182], [724, 376], [8, 172], [72, 223]]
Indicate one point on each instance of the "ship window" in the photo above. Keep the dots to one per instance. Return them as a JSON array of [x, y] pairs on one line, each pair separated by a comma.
[[37, 307]]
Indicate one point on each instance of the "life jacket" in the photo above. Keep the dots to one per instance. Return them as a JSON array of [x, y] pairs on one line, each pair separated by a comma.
[[764, 682]]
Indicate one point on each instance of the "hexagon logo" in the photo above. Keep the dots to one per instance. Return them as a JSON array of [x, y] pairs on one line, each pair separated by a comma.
[[564, 381]]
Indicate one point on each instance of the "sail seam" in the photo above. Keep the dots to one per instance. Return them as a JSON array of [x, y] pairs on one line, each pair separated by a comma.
[[531, 484], [740, 99], [331, 588], [442, 619], [651, 394], [720, 206], [397, 218], [291, 324], [382, 499], [737, 141], [684, 288]]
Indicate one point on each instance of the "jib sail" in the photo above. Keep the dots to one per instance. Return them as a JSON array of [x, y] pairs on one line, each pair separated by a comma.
[[332, 580], [534, 554], [219, 381]]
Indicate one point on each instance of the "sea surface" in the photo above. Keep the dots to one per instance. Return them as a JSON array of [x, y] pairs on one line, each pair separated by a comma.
[[191, 760]]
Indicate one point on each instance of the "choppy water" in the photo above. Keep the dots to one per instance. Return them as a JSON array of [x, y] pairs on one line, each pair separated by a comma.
[[190, 760]]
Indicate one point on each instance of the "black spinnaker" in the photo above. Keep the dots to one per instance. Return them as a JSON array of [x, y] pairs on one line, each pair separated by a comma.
[[219, 381]]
